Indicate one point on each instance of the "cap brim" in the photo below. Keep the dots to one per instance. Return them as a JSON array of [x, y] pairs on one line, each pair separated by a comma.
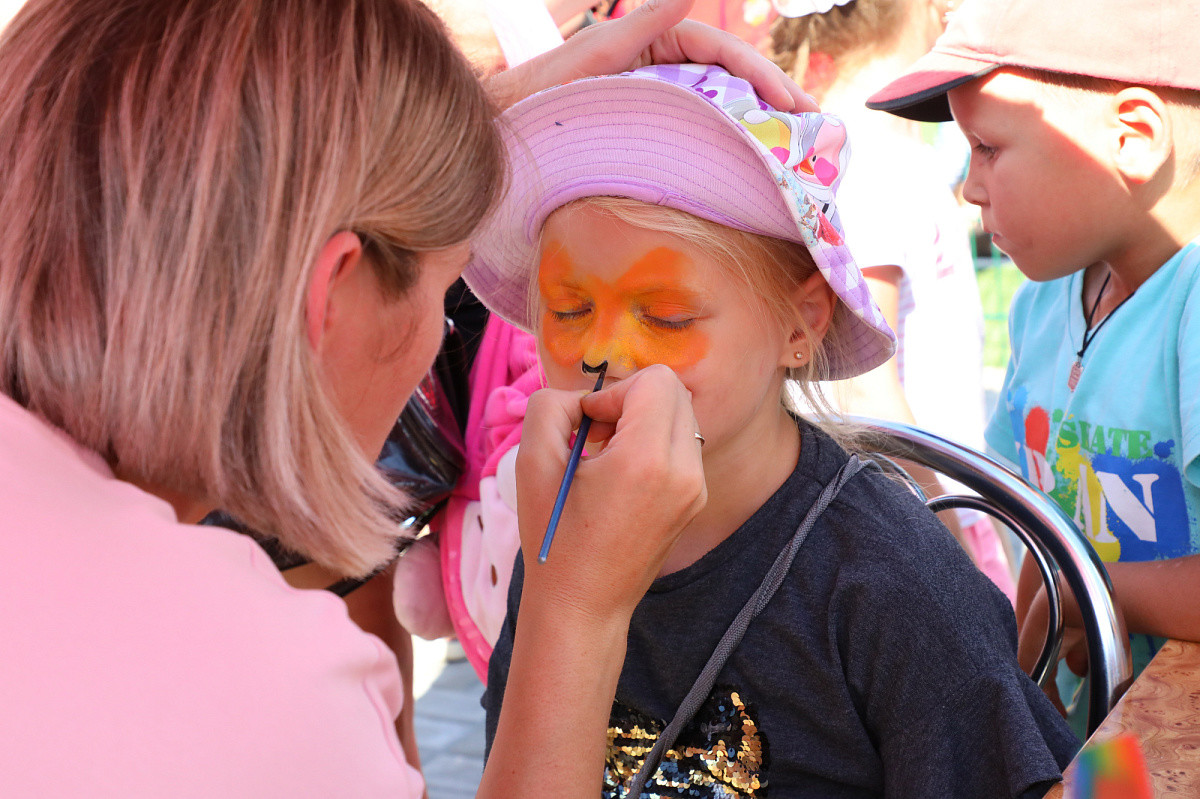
[[920, 94]]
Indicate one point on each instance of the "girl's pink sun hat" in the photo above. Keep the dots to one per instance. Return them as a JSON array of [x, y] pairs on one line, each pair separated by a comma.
[[693, 138]]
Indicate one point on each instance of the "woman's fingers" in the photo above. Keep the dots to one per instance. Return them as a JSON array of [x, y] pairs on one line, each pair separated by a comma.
[[654, 33], [627, 504], [698, 43], [657, 33]]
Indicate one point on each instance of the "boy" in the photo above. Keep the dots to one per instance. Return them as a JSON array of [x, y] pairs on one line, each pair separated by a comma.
[[1082, 116]]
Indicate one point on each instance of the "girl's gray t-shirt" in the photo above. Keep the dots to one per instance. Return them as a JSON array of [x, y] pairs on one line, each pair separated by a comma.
[[884, 666]]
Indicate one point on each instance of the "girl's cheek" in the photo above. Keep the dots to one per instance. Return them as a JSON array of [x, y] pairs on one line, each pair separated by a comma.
[[564, 347], [680, 351]]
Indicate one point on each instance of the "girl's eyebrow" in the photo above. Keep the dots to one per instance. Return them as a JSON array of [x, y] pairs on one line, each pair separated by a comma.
[[567, 282], [667, 291]]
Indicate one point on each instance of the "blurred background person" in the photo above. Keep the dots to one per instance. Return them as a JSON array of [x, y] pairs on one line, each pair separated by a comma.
[[908, 233]]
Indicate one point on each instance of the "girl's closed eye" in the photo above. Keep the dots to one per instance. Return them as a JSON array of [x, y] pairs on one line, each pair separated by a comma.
[[668, 324], [570, 314], [668, 316]]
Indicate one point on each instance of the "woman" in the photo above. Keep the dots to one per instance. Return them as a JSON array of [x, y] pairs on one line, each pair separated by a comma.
[[228, 228]]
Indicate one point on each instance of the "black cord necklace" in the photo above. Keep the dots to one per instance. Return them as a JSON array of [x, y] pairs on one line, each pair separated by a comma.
[[1089, 332]]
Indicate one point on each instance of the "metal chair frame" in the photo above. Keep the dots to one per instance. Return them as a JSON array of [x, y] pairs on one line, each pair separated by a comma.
[[1051, 538]]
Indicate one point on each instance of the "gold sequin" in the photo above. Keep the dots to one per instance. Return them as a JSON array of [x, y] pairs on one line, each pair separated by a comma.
[[721, 754]]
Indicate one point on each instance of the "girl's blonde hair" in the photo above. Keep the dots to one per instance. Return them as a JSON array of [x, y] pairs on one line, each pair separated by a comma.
[[769, 269], [169, 170]]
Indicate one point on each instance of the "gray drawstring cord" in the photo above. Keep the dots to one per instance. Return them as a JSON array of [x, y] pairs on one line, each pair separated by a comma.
[[737, 629]]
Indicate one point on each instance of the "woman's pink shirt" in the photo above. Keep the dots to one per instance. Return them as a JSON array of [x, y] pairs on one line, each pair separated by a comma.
[[142, 657]]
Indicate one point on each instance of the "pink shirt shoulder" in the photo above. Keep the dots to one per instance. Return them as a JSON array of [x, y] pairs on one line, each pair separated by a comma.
[[143, 657]]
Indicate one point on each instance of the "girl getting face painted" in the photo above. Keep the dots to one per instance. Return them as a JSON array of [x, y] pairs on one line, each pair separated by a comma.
[[612, 290], [644, 315]]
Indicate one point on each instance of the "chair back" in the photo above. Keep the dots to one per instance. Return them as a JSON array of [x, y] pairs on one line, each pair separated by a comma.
[[1051, 538]]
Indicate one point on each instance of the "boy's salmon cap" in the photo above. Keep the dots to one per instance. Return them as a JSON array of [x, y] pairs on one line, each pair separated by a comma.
[[1130, 41]]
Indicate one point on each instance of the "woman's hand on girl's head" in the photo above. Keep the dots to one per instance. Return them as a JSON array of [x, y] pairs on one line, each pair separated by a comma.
[[654, 33], [627, 505]]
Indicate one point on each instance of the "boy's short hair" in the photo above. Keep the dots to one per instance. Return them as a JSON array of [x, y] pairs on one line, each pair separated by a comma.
[[1127, 41], [1185, 104]]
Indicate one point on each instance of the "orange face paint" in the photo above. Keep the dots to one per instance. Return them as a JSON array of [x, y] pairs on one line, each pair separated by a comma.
[[645, 316]]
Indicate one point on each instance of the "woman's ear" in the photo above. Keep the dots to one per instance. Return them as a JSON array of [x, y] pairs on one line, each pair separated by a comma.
[[339, 256], [814, 301], [1144, 140]]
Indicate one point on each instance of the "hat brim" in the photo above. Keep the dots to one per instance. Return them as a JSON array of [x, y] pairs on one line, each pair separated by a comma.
[[651, 141], [920, 94]]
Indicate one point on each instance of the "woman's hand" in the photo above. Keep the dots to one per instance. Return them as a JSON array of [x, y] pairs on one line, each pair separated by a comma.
[[654, 33], [627, 504]]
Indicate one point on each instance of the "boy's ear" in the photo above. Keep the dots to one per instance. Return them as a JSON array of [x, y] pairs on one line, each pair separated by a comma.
[[1144, 139], [339, 256], [814, 302]]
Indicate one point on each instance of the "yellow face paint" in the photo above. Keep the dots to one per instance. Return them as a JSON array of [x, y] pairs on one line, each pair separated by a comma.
[[646, 316]]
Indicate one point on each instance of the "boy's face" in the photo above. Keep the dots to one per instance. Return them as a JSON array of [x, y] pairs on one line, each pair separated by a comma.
[[1040, 172], [611, 291]]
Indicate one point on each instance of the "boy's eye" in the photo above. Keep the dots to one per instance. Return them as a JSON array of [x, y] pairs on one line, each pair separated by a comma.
[[983, 150]]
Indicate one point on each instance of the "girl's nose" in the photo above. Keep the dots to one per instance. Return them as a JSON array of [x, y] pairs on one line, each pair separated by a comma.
[[617, 352]]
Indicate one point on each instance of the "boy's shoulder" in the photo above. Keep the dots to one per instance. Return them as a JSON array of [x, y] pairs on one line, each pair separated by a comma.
[[1178, 277]]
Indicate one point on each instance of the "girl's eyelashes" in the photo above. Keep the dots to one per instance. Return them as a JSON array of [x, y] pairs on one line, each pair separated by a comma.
[[667, 324], [569, 316]]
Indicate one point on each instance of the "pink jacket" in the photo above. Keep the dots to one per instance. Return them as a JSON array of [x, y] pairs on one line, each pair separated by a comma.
[[456, 579]]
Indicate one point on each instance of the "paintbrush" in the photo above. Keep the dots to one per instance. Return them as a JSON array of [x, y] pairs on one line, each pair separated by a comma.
[[572, 464]]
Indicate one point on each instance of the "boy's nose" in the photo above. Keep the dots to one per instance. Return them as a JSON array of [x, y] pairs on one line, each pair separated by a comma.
[[972, 189]]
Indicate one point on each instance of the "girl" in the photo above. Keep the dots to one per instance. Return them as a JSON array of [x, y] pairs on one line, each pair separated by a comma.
[[670, 216]]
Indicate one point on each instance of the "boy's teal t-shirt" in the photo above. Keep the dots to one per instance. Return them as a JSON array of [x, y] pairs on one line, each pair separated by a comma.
[[1119, 454]]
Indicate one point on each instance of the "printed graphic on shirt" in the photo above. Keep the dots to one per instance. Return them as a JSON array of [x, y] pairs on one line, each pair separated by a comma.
[[720, 754], [1120, 486]]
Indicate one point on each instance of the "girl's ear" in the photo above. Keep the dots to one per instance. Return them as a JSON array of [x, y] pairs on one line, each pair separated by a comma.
[[1144, 140], [338, 257], [814, 302]]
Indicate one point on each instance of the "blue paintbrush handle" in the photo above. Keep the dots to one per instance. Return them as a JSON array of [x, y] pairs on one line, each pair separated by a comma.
[[569, 474]]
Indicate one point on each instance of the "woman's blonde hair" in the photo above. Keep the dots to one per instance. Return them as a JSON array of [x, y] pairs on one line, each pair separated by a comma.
[[769, 269], [169, 170]]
